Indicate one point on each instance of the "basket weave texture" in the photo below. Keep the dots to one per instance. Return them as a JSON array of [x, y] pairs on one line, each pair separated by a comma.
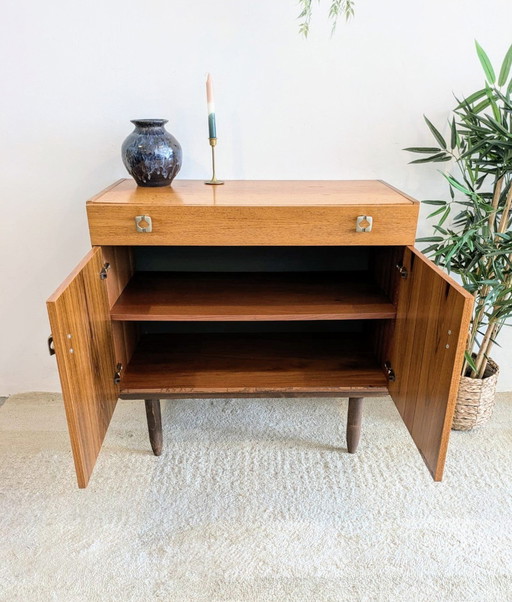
[[475, 400]]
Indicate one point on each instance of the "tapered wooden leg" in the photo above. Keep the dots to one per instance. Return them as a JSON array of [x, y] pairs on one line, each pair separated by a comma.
[[354, 418], [154, 417]]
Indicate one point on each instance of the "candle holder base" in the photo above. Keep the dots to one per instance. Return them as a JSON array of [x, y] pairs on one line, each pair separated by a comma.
[[214, 181]]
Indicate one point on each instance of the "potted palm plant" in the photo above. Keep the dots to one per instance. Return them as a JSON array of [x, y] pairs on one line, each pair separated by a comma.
[[472, 235]]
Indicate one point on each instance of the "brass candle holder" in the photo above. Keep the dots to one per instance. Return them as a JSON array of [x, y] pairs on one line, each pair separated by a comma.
[[214, 181]]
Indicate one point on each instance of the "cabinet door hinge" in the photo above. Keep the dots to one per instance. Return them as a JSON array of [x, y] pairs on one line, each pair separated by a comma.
[[403, 271], [104, 269], [51, 347], [390, 373], [117, 374]]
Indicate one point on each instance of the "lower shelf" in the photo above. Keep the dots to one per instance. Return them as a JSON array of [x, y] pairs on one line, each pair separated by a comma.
[[252, 365]]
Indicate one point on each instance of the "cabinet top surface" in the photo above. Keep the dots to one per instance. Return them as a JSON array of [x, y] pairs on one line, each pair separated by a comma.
[[290, 193]]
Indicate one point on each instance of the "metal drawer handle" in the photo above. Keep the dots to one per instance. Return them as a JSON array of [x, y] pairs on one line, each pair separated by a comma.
[[364, 223], [143, 223]]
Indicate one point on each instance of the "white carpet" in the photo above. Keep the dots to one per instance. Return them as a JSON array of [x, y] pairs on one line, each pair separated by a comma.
[[252, 500]]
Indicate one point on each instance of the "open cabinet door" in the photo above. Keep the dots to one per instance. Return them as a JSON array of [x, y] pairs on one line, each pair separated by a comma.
[[426, 354], [82, 337]]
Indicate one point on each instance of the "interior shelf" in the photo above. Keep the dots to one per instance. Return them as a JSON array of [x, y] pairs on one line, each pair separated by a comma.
[[273, 364], [230, 296]]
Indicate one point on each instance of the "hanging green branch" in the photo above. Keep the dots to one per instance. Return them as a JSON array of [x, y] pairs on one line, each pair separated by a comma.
[[477, 242], [337, 9]]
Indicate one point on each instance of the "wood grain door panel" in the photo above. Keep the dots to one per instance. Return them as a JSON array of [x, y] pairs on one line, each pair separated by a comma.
[[82, 334], [426, 354]]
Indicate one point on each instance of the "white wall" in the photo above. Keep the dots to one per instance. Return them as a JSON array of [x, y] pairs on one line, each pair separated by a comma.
[[74, 73]]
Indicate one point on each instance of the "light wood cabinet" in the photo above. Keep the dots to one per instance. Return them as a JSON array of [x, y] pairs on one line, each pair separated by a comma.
[[257, 289]]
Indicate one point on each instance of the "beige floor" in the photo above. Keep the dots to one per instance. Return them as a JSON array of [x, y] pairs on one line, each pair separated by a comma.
[[252, 500]]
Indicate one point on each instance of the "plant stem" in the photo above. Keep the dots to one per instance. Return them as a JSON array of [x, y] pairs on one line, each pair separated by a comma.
[[488, 340], [482, 351], [506, 210], [491, 333], [490, 343], [475, 323], [495, 202]]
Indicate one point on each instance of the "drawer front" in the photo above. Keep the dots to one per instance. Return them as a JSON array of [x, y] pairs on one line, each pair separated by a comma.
[[238, 226]]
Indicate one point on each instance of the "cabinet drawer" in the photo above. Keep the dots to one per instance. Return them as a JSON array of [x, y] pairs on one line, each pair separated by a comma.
[[112, 224]]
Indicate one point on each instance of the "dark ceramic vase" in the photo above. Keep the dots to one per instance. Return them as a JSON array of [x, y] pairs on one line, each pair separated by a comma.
[[150, 154]]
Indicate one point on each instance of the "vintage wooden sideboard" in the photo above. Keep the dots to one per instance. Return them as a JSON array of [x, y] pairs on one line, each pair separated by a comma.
[[262, 288]]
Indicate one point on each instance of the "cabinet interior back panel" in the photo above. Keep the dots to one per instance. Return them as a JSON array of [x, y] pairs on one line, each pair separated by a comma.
[[251, 259]]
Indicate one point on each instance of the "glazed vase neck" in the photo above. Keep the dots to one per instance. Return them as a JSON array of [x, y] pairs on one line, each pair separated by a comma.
[[149, 123]]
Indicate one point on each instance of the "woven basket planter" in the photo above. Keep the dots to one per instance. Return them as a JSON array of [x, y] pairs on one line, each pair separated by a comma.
[[475, 401]]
